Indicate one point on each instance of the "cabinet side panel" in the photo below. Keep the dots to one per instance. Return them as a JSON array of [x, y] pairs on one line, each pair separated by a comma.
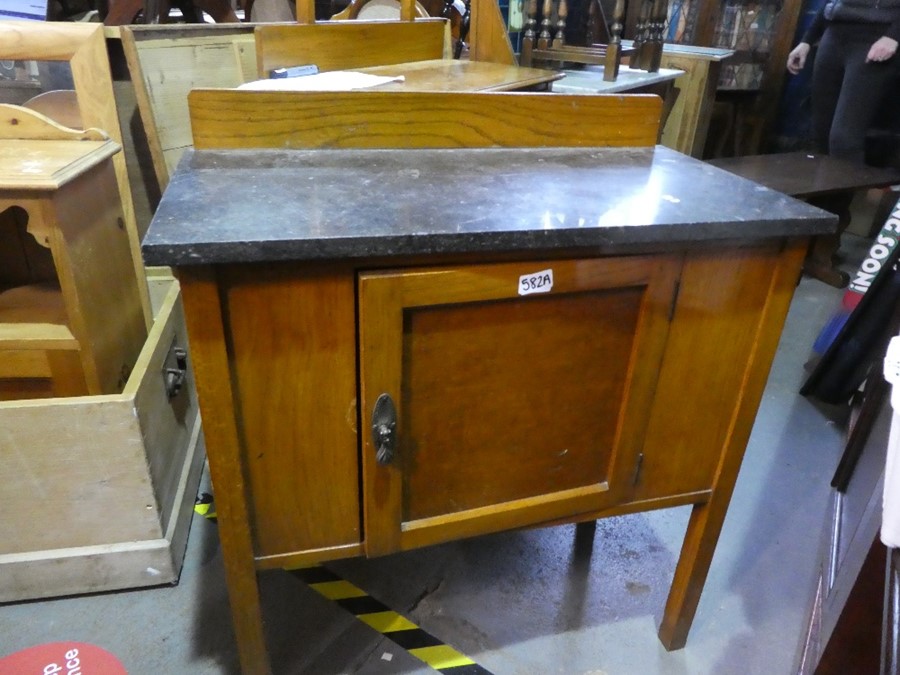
[[96, 273], [713, 333], [293, 342]]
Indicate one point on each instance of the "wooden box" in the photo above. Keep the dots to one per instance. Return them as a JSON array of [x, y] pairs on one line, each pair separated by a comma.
[[98, 491]]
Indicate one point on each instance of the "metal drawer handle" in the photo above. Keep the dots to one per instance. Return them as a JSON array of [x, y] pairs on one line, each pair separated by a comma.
[[174, 373]]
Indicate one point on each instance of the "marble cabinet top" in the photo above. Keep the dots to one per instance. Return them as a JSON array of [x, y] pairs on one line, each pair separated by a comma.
[[266, 205]]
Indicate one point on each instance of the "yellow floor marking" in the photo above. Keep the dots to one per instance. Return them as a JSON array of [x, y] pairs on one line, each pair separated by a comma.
[[386, 622], [338, 590], [441, 656]]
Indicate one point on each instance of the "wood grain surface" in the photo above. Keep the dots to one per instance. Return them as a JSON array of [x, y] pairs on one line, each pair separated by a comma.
[[371, 119]]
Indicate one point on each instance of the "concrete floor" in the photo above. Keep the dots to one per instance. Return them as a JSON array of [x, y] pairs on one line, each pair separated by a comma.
[[531, 602]]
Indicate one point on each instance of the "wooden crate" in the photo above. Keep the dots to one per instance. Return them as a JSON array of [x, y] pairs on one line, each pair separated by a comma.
[[98, 491]]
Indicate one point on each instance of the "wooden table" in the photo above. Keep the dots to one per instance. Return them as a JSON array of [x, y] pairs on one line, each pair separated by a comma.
[[565, 333], [417, 50], [818, 179], [456, 75], [589, 80]]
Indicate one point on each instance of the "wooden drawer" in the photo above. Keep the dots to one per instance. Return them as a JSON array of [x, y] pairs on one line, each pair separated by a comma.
[[98, 490]]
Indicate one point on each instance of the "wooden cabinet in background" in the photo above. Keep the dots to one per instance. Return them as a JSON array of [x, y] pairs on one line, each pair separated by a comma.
[[71, 322]]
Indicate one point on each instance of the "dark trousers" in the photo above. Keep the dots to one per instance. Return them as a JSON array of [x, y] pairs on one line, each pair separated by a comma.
[[847, 92]]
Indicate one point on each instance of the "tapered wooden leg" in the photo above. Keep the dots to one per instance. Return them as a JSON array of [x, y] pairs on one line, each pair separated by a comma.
[[690, 573], [210, 363], [246, 610], [707, 518]]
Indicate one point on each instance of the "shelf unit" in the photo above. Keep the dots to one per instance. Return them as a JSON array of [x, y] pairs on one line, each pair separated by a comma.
[[761, 33]]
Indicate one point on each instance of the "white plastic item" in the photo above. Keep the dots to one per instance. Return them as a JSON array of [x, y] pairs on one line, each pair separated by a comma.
[[892, 371], [890, 523]]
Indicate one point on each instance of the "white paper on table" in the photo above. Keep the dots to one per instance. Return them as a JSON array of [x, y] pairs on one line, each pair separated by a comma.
[[336, 80], [35, 10]]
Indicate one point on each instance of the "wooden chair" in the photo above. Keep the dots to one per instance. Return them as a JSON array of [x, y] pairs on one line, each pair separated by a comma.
[[70, 307], [124, 12], [545, 40], [392, 10], [482, 25], [379, 10]]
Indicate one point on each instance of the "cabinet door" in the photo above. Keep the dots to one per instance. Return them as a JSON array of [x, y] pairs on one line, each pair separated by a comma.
[[521, 391]]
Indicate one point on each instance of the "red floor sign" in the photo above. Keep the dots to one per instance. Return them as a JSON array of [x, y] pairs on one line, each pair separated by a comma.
[[64, 658]]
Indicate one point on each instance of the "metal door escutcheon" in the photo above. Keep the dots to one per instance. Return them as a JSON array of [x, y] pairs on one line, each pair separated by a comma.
[[384, 429]]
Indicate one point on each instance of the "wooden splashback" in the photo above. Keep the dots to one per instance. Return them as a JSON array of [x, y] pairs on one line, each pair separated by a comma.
[[224, 119]]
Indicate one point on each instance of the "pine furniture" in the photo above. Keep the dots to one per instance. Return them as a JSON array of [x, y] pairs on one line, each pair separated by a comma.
[[70, 306]]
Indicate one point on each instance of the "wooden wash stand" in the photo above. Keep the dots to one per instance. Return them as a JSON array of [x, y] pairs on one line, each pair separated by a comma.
[[570, 322]]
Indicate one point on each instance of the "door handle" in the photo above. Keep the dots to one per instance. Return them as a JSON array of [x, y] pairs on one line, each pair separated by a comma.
[[384, 429]]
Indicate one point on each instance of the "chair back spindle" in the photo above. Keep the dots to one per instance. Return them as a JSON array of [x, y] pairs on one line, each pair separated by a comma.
[[614, 48], [650, 28], [562, 12], [529, 34], [544, 42], [544, 37]]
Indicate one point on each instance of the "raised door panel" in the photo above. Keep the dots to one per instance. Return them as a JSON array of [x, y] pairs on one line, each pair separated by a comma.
[[521, 389], [292, 339]]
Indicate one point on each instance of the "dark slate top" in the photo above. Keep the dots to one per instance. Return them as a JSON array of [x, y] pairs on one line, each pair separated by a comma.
[[265, 205]]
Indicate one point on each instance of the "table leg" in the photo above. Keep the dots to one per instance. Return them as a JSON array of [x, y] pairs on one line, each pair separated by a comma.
[[820, 262]]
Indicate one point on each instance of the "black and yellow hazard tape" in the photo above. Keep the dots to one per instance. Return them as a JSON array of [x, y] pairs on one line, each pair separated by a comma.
[[204, 506], [397, 628]]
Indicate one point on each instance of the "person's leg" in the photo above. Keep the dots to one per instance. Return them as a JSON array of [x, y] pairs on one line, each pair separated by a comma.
[[865, 86], [827, 79]]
